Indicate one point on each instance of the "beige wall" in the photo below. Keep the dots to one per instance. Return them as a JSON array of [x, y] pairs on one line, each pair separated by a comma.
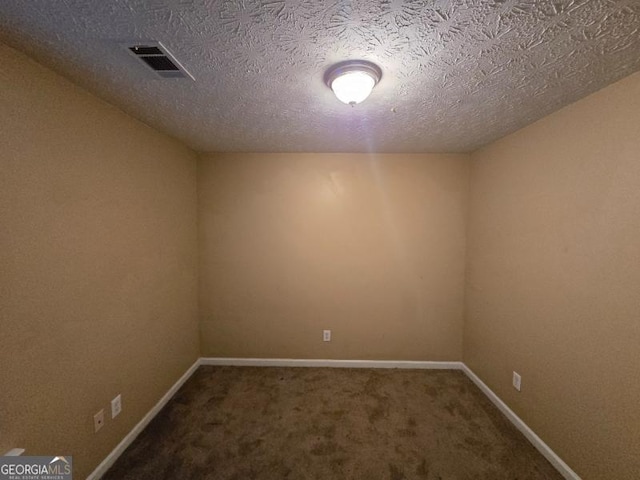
[[369, 246], [98, 260], [98, 265], [553, 286]]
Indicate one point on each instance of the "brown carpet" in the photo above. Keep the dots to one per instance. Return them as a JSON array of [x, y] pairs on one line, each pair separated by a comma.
[[320, 423]]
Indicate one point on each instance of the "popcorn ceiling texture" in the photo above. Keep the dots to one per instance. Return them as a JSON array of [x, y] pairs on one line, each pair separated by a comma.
[[456, 74]]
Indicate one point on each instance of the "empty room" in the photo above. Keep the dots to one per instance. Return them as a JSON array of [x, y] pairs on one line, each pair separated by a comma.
[[268, 239]]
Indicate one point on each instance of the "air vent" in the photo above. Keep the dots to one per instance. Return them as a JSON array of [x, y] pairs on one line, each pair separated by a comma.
[[156, 57]]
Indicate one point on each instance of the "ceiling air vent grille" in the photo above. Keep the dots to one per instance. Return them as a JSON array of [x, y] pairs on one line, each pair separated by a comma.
[[155, 56]]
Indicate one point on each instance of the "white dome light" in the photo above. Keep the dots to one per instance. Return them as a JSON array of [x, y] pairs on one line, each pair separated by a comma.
[[353, 87], [353, 81]]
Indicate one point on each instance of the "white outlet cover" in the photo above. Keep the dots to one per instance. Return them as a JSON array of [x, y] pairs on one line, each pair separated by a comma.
[[116, 406], [98, 420], [326, 335], [517, 381]]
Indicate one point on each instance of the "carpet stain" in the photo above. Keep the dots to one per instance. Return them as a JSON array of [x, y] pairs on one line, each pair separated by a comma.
[[395, 473], [423, 469], [239, 423], [247, 447], [325, 448], [377, 413], [431, 390]]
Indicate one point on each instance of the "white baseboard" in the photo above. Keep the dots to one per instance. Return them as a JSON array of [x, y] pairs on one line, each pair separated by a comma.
[[535, 440], [295, 362], [14, 452], [131, 436]]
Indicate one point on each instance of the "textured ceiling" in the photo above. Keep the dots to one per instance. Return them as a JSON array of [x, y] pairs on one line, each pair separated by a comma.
[[456, 74]]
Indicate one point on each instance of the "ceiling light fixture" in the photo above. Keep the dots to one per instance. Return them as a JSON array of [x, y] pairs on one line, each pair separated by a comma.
[[352, 81]]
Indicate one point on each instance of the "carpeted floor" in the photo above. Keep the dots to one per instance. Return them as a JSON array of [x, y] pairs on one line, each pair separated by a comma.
[[245, 423]]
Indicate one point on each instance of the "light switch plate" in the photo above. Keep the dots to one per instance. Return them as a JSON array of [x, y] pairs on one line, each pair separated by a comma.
[[517, 381], [116, 406]]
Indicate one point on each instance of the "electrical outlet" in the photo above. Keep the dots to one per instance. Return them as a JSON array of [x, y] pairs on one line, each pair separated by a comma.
[[326, 335], [98, 420], [517, 381], [116, 406]]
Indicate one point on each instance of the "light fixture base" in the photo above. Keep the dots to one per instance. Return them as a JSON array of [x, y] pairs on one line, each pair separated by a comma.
[[353, 68]]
